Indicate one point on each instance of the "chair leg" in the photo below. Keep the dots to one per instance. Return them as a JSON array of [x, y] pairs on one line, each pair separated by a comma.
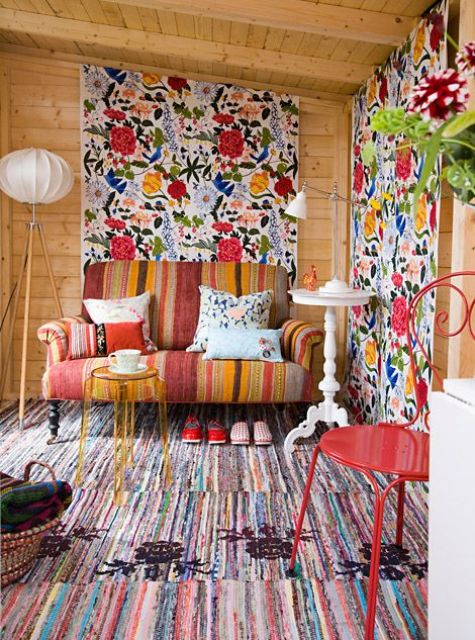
[[53, 419], [303, 506], [400, 513], [374, 566]]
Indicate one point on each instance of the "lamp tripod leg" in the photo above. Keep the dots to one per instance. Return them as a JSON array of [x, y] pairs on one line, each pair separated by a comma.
[[49, 269], [24, 352], [15, 311]]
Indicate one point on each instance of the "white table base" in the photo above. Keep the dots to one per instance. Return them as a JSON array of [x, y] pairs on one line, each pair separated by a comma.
[[328, 410]]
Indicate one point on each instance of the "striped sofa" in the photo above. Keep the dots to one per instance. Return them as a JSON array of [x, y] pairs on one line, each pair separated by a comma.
[[173, 317]]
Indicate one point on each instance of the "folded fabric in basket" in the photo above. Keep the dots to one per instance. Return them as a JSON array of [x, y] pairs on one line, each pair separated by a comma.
[[26, 504]]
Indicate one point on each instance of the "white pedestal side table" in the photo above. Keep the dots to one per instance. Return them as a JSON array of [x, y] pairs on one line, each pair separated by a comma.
[[328, 410]]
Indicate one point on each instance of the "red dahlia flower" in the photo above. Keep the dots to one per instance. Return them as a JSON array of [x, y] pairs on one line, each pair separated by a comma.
[[123, 140], [465, 58], [283, 186], [223, 118], [177, 83], [229, 250], [222, 227], [122, 248], [231, 143], [440, 95], [176, 189]]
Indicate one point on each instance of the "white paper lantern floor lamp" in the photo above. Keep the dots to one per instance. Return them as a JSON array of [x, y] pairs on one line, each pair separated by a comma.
[[31, 176]]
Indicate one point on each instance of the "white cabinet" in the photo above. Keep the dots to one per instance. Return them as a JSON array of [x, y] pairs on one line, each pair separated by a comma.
[[452, 513]]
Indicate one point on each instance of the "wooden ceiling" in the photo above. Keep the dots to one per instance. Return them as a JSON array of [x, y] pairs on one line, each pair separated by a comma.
[[317, 49]]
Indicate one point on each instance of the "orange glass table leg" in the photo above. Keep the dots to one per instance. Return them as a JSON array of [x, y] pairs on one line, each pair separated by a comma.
[[86, 415]]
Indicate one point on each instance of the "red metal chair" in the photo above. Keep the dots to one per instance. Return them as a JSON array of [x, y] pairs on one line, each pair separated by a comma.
[[388, 448]]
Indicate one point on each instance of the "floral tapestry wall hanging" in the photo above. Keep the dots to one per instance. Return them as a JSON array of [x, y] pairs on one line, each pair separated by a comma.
[[394, 240], [177, 169]]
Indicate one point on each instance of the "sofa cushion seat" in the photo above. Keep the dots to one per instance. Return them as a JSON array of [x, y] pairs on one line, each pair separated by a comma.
[[189, 378]]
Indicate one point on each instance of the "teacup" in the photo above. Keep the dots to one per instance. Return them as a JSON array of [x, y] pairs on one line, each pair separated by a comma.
[[126, 360]]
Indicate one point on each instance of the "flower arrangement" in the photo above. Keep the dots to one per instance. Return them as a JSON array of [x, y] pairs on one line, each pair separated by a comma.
[[437, 122]]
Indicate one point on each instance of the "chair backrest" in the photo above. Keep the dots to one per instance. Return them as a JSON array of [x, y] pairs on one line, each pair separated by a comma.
[[175, 295], [419, 358]]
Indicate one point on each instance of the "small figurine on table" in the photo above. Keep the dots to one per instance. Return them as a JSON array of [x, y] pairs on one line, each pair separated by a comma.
[[310, 279]]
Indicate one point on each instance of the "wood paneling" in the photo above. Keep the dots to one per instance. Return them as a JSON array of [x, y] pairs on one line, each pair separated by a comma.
[[41, 107]]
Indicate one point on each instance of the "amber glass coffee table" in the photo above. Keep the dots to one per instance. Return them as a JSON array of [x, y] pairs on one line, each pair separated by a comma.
[[124, 390]]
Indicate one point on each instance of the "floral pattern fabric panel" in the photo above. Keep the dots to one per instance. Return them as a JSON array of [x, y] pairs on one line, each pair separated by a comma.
[[224, 310], [394, 244], [177, 169]]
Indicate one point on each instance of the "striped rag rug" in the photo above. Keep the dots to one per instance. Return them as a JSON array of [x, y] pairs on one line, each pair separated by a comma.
[[207, 558]]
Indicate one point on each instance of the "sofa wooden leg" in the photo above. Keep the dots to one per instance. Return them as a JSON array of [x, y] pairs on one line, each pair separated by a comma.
[[53, 419]]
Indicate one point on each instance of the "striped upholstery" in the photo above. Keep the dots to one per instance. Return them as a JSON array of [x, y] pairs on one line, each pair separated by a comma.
[[174, 314], [189, 378]]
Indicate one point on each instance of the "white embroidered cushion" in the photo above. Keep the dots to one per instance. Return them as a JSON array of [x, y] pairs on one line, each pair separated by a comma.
[[226, 311], [113, 310]]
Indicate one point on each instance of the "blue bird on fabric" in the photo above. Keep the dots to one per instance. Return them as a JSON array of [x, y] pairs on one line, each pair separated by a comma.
[[263, 154], [156, 155], [115, 183], [391, 372], [372, 188], [224, 186], [116, 74], [372, 321]]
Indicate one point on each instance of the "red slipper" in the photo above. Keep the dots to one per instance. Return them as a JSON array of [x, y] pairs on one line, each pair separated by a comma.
[[217, 434], [192, 431]]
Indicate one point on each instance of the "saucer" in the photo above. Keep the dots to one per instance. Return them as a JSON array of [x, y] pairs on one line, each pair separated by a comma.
[[113, 368]]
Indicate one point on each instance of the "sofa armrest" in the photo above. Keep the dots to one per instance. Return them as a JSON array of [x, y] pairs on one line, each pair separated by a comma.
[[299, 340], [53, 334]]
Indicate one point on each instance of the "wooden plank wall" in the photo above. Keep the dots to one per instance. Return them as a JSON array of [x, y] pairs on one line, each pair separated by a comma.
[[40, 107]]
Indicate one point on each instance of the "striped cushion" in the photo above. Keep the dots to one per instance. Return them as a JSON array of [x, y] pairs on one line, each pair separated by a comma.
[[189, 378], [174, 286]]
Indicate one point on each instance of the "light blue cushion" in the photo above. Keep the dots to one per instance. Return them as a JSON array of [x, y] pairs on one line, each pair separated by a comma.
[[244, 344], [223, 309]]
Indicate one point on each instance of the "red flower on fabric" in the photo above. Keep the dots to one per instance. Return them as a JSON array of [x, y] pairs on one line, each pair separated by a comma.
[[176, 189], [433, 216], [283, 186], [437, 31], [229, 250], [231, 143], [122, 248], [223, 118], [422, 391], [123, 140], [399, 315], [356, 150], [114, 114], [358, 177], [397, 279], [222, 227], [383, 89], [177, 83], [403, 164], [112, 223], [440, 95], [465, 58]]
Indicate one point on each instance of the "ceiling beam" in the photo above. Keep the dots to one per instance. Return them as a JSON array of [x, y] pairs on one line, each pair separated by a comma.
[[295, 15], [323, 99], [146, 41]]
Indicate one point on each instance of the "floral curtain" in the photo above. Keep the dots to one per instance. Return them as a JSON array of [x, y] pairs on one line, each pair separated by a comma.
[[394, 244], [176, 169]]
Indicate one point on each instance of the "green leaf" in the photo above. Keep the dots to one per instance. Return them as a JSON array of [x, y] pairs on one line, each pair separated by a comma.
[[89, 105], [459, 123], [266, 138], [432, 151], [158, 137], [174, 171], [158, 246], [90, 215], [265, 245], [198, 113], [197, 221]]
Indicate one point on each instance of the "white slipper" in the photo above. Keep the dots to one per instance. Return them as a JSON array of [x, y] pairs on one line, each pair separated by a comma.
[[240, 433], [262, 434]]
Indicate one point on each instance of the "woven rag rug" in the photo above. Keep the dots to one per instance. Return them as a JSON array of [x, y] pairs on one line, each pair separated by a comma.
[[207, 558]]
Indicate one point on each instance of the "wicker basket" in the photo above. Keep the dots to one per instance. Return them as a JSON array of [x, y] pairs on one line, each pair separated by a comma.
[[19, 550]]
